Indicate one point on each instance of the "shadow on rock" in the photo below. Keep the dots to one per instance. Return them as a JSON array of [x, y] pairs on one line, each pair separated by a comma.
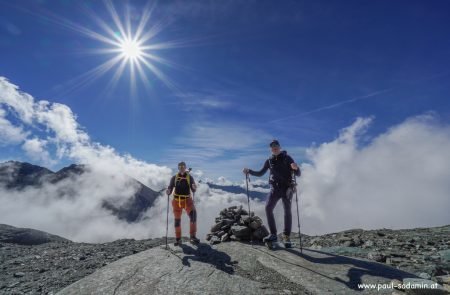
[[206, 254], [360, 268]]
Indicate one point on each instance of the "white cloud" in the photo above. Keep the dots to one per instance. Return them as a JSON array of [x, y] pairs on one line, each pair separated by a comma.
[[9, 134], [399, 179], [35, 148], [213, 102], [201, 101], [59, 119], [223, 137], [223, 181], [220, 149], [209, 203], [232, 167], [58, 128], [71, 208], [80, 216], [16, 100]]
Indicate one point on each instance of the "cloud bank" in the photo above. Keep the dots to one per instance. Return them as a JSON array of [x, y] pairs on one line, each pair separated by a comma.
[[397, 179], [49, 132], [73, 209]]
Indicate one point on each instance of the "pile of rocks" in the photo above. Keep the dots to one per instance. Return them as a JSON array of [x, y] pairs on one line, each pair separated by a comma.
[[236, 224]]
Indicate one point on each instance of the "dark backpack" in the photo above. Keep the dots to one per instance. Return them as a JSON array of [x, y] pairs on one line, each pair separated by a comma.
[[286, 181], [182, 189]]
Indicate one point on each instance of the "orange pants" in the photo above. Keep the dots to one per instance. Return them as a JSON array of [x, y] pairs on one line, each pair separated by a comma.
[[188, 205]]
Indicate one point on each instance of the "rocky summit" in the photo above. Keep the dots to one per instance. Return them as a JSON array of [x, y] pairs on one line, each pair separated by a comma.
[[422, 251], [325, 265], [46, 268], [236, 268]]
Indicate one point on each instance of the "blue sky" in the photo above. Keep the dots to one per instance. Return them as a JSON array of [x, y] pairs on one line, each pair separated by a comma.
[[245, 72]]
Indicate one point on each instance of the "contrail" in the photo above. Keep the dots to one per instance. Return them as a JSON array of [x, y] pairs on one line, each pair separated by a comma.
[[335, 105], [338, 104]]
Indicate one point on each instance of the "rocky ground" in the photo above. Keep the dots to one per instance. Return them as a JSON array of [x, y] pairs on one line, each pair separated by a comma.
[[422, 251], [49, 267]]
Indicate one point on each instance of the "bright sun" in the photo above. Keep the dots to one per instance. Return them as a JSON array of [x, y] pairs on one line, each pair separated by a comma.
[[131, 49], [126, 45]]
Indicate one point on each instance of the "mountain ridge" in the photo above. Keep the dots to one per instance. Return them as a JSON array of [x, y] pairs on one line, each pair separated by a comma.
[[16, 175]]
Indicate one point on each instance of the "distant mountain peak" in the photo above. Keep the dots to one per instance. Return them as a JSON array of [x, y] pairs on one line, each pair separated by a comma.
[[16, 175]]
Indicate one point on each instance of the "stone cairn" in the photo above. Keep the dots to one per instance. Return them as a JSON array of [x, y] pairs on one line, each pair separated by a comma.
[[236, 224]]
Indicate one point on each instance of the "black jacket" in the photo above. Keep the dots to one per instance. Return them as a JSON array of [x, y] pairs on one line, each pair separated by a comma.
[[280, 169]]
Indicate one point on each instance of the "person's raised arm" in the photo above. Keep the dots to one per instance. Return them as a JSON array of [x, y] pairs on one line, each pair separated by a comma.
[[260, 172]]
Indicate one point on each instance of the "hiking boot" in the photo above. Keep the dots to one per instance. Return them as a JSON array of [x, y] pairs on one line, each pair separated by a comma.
[[178, 242], [194, 240], [286, 241], [270, 238]]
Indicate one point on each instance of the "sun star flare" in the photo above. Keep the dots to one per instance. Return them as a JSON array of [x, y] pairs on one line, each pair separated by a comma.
[[131, 49], [127, 44]]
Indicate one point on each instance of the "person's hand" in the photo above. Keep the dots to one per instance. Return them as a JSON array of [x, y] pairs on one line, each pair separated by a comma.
[[246, 171], [168, 192], [194, 187], [294, 166]]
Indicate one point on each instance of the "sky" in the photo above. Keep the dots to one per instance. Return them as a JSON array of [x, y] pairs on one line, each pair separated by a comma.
[[356, 92], [235, 73]]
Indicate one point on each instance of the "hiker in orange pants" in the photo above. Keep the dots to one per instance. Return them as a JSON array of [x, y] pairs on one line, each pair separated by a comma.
[[183, 183]]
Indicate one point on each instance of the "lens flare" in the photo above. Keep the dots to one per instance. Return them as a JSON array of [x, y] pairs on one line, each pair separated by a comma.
[[131, 49], [126, 43]]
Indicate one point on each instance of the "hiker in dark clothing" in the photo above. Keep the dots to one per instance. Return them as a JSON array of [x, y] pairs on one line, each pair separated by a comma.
[[183, 183], [281, 166]]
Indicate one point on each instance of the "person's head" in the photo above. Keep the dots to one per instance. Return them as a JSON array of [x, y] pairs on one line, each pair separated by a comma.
[[182, 167], [275, 147]]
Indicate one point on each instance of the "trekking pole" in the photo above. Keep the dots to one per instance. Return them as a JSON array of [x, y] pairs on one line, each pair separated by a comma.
[[298, 212], [247, 179], [167, 220], [248, 195]]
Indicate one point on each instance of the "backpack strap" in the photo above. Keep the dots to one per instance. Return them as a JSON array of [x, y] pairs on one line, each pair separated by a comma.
[[177, 177], [188, 178]]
